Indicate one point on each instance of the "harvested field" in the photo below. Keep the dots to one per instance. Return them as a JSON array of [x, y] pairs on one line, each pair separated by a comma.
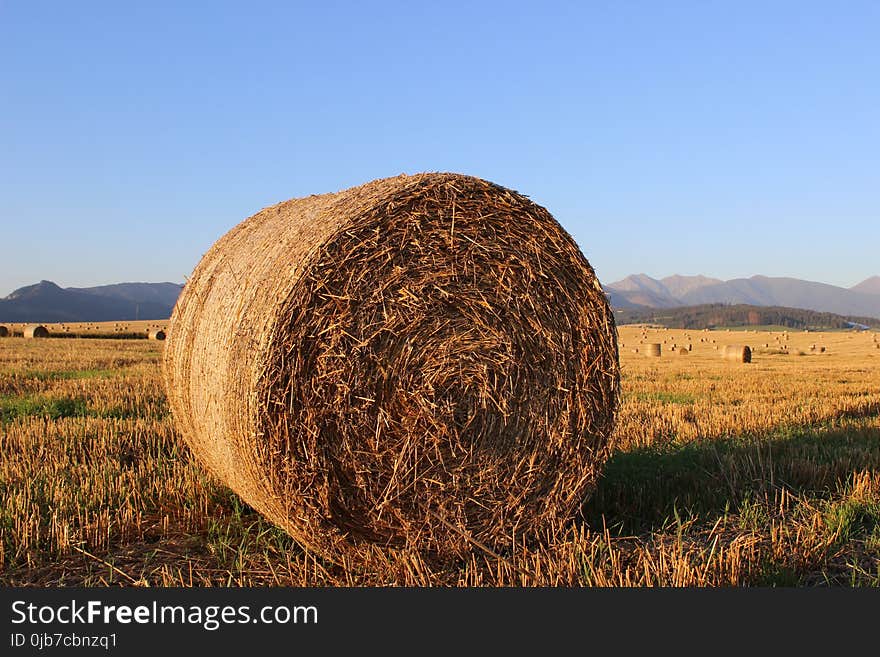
[[765, 474], [118, 330]]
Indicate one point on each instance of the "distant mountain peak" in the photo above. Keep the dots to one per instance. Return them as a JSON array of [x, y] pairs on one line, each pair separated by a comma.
[[28, 291], [868, 286], [678, 285], [47, 302], [862, 300]]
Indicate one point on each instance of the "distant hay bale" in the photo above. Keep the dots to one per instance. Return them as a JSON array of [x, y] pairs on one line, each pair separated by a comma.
[[635, 350], [155, 334], [683, 351], [652, 349], [737, 353], [821, 350], [35, 331], [423, 363], [4, 331]]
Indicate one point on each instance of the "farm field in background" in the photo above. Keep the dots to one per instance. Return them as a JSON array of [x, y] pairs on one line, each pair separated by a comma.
[[724, 473], [132, 329]]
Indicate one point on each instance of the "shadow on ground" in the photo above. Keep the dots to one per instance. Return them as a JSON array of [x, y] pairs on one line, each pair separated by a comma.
[[642, 489]]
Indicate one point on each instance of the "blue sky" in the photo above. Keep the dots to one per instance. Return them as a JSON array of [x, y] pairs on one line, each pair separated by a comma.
[[722, 138]]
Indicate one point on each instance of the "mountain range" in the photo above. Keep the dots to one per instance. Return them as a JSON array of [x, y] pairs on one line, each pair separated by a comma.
[[642, 291], [47, 302]]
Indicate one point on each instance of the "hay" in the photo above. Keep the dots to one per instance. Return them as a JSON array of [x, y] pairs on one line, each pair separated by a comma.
[[737, 353], [35, 331], [4, 331], [683, 351], [155, 334], [652, 350], [424, 363]]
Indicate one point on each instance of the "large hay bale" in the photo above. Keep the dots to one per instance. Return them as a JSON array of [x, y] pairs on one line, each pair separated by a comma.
[[737, 353], [35, 331], [4, 331], [155, 334], [422, 363], [652, 349]]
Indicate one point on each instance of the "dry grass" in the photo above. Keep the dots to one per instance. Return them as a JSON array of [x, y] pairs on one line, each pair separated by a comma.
[[765, 473]]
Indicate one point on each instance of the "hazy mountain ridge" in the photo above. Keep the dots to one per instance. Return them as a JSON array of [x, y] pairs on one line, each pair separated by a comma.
[[677, 291], [47, 302], [161, 293]]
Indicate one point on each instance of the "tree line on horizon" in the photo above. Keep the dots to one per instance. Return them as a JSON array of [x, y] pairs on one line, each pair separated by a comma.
[[715, 315]]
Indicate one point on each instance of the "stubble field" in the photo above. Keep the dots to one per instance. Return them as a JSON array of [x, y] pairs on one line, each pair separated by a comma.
[[724, 473]]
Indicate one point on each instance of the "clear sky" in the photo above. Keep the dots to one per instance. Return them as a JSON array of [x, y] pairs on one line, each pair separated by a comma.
[[721, 138]]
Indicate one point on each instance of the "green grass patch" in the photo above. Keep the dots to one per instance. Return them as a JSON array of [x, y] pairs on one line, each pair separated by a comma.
[[52, 408], [852, 518], [777, 575], [67, 375]]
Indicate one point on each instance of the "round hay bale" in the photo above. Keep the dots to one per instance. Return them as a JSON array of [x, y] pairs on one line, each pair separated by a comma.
[[652, 349], [35, 331], [155, 334], [425, 363], [4, 331], [737, 353], [683, 351]]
